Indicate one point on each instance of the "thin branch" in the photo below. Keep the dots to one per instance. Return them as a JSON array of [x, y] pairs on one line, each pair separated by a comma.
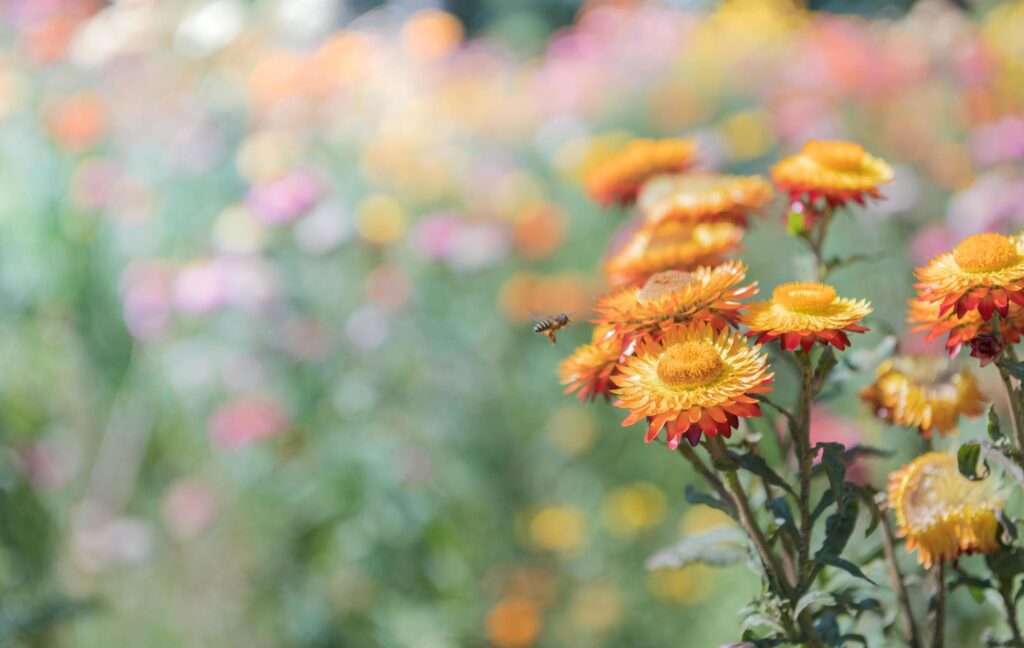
[[710, 477], [896, 578]]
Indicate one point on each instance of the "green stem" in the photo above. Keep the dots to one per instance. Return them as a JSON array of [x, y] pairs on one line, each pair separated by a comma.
[[802, 440], [939, 638], [1016, 413], [710, 477]]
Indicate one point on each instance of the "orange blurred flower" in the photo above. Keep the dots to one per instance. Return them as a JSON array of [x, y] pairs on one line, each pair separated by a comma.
[[942, 513], [539, 231], [671, 245], [834, 170], [804, 313], [925, 317], [703, 197], [77, 122], [513, 622], [619, 178]]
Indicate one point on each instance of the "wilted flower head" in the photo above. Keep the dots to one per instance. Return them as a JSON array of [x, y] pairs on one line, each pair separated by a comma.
[[940, 512], [923, 392]]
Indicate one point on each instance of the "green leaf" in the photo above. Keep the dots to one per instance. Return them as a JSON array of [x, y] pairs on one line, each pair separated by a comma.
[[995, 430], [1006, 562], [967, 460], [867, 495], [838, 529], [795, 224], [719, 547], [757, 465], [845, 565], [1015, 369], [835, 469], [812, 598], [694, 496], [783, 516]]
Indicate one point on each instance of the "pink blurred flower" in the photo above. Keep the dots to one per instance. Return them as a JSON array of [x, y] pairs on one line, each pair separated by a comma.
[[284, 198], [998, 143], [993, 203], [434, 235], [189, 507], [929, 241], [200, 287], [49, 464], [828, 427], [246, 420], [146, 298]]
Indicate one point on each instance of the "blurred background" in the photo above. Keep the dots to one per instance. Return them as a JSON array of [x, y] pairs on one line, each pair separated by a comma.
[[268, 270]]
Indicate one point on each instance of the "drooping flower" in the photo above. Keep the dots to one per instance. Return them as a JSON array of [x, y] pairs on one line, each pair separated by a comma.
[[801, 314], [925, 392], [836, 171], [619, 178], [703, 197], [692, 381], [985, 272], [671, 245], [671, 297], [940, 512], [588, 370], [925, 317]]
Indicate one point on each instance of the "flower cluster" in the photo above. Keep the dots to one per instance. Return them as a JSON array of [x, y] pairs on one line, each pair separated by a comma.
[[668, 341]]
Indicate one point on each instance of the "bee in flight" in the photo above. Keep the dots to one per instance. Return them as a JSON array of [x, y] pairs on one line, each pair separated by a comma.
[[552, 325]]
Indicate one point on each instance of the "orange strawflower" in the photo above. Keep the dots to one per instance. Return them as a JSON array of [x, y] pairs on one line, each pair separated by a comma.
[[925, 317], [589, 368], [985, 272], [671, 245], [703, 197], [940, 512], [924, 392], [671, 297], [835, 171], [801, 314], [693, 380], [619, 178]]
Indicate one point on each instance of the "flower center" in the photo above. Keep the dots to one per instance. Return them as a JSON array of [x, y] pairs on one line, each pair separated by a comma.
[[664, 283], [804, 297], [985, 252], [690, 364], [840, 156]]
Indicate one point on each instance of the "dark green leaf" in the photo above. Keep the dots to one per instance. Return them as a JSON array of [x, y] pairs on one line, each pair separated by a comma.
[[866, 495], [757, 465], [838, 528], [1006, 562], [783, 516], [967, 460], [995, 430], [694, 496], [835, 469], [845, 565]]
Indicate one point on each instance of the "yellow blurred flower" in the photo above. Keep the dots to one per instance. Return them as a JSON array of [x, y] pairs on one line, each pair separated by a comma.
[[633, 508], [559, 527], [571, 429], [940, 512], [380, 219], [596, 608], [700, 519], [748, 133], [691, 584]]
